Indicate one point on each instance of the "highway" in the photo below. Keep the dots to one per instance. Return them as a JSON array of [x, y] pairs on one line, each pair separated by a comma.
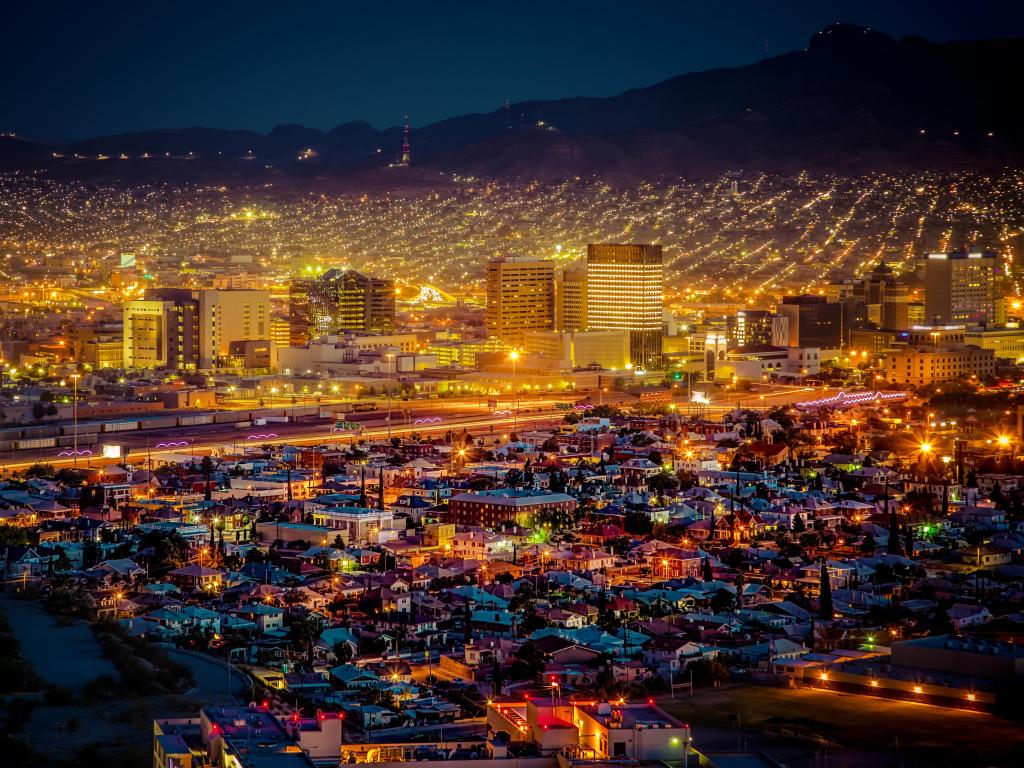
[[204, 441], [423, 417]]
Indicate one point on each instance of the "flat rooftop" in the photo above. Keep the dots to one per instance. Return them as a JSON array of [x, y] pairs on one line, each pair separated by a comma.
[[631, 715]]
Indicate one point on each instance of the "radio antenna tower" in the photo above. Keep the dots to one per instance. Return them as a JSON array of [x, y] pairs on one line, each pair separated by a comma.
[[406, 154]]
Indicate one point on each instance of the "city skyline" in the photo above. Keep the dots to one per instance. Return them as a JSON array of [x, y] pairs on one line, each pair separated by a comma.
[[678, 425]]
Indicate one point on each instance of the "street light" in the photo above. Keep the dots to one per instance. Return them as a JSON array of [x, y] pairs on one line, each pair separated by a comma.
[[514, 357], [390, 356], [74, 411]]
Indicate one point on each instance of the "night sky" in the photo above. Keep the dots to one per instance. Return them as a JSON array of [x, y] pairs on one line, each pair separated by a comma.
[[79, 69]]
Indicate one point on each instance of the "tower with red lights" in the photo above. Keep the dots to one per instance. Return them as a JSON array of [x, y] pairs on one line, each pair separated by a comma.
[[406, 153]]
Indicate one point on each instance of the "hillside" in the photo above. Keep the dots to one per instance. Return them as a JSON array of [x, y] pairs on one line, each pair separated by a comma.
[[854, 100]]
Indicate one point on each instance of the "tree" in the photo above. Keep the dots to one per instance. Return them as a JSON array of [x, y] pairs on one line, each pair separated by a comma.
[[722, 600], [207, 467], [39, 470], [867, 546], [304, 634], [663, 482], [91, 554], [708, 671], [892, 546], [708, 572], [825, 608], [467, 624], [529, 662], [637, 523], [343, 652], [13, 535], [810, 540], [496, 676]]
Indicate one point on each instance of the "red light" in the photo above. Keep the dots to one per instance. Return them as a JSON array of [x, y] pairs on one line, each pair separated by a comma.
[[341, 715], [266, 704], [650, 701], [295, 717]]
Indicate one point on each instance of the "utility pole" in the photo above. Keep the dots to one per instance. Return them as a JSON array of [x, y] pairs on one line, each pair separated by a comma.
[[390, 357], [74, 411]]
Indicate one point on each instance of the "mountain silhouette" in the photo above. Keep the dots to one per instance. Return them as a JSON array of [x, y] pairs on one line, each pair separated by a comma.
[[855, 100]]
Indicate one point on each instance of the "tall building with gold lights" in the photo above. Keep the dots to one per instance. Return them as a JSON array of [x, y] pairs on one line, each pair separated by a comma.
[[964, 288], [625, 292], [520, 297], [571, 300], [343, 300]]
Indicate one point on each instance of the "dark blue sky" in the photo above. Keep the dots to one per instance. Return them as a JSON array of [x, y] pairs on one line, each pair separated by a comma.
[[78, 69]]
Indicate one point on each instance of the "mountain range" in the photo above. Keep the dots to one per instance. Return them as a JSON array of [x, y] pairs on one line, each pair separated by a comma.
[[855, 100]]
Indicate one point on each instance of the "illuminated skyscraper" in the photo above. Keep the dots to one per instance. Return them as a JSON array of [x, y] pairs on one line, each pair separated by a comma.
[[520, 297], [162, 330], [813, 321], [757, 327], [625, 291], [963, 288], [885, 299], [230, 316], [571, 300], [342, 300], [298, 312]]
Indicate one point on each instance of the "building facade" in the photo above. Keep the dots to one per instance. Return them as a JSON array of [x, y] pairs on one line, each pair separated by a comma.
[[492, 508], [571, 300], [344, 300], [813, 321], [520, 297], [935, 354], [963, 288], [625, 291], [162, 330], [229, 316]]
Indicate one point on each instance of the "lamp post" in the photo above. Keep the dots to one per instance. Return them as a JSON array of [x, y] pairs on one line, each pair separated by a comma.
[[390, 356], [74, 417], [514, 357]]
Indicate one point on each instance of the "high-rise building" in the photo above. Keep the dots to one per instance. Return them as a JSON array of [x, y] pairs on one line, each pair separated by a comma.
[[813, 321], [885, 299], [963, 287], [162, 330], [757, 327], [520, 297], [625, 291], [229, 316], [571, 300], [342, 300], [184, 330], [298, 312]]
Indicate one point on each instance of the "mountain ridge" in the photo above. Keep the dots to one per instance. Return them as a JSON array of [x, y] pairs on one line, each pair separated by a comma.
[[854, 100]]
